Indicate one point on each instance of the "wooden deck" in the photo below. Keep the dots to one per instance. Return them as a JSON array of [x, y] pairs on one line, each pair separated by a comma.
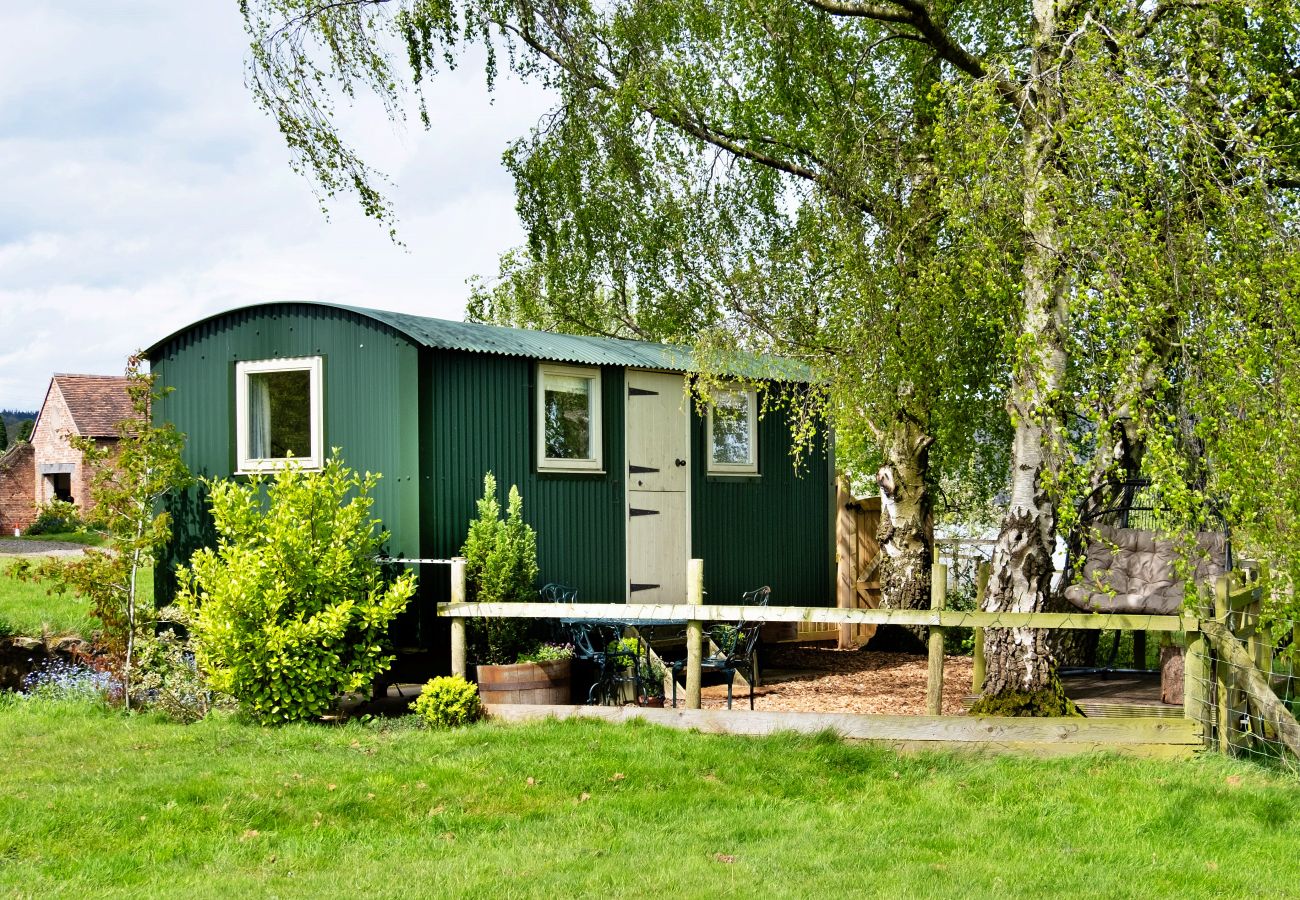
[[1134, 736], [1104, 695]]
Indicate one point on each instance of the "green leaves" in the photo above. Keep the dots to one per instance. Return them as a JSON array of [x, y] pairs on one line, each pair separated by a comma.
[[500, 567], [291, 609], [447, 702]]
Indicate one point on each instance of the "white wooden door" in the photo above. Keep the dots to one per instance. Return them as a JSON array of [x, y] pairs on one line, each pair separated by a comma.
[[658, 495]]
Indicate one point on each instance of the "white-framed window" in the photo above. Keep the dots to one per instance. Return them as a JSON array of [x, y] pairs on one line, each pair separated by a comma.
[[568, 419], [733, 433], [279, 413]]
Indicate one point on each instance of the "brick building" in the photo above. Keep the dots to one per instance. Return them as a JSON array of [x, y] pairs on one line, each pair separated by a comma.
[[17, 481], [49, 468]]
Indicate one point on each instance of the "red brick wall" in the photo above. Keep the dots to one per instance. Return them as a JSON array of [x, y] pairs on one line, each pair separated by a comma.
[[50, 441], [17, 488]]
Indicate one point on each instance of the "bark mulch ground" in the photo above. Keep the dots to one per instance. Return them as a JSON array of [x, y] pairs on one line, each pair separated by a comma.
[[811, 678]]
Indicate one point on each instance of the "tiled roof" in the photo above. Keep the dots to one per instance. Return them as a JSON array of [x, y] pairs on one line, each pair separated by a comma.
[[97, 402]]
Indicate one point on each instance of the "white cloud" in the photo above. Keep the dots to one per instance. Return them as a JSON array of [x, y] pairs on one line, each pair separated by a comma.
[[152, 192]]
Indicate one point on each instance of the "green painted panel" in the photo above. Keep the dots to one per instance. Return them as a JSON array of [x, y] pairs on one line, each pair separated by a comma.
[[775, 529], [371, 405], [478, 416]]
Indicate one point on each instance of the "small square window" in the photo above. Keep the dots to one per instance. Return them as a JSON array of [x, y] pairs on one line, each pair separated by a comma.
[[732, 432], [278, 413], [568, 419]]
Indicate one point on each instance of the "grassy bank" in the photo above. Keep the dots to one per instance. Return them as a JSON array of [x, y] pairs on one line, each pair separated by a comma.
[[27, 608], [99, 804]]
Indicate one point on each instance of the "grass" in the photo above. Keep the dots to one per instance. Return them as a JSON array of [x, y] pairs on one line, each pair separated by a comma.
[[85, 538], [28, 609], [97, 803]]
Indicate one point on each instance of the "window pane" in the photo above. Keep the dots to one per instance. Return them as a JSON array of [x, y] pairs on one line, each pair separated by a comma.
[[279, 414], [732, 442], [566, 405]]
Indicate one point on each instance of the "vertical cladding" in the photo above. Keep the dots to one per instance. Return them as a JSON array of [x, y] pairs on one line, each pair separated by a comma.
[[480, 412], [774, 529], [370, 406]]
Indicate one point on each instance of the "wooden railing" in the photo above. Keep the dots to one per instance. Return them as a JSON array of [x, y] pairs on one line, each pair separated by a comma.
[[695, 614], [1217, 684]]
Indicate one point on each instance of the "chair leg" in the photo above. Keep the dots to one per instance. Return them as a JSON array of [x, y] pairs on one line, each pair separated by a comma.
[[731, 679]]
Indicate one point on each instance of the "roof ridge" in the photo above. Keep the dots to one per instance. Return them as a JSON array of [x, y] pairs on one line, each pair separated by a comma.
[[510, 340]]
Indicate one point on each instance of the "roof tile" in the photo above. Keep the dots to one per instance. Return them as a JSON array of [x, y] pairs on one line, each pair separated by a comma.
[[97, 402]]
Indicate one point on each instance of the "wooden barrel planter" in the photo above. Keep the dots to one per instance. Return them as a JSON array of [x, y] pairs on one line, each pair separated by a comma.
[[534, 683]]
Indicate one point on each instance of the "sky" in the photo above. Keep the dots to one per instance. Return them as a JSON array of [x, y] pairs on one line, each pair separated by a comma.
[[141, 189]]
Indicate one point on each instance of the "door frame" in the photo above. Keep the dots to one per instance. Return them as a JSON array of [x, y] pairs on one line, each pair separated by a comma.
[[627, 476]]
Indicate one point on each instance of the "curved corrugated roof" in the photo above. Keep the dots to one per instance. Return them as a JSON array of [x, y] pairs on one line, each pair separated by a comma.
[[473, 337]]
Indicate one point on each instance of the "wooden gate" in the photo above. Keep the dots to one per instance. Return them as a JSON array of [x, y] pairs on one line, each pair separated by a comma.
[[858, 561]]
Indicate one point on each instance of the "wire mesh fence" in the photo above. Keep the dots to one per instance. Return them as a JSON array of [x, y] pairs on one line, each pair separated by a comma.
[[1242, 684]]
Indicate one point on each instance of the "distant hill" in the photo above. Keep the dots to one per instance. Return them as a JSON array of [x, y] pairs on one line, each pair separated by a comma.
[[13, 419]]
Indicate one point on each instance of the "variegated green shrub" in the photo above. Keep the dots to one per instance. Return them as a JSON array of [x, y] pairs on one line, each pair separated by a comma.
[[291, 608]]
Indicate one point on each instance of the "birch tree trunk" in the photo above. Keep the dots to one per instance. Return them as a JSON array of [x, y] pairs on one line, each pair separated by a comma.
[[1021, 674], [905, 518]]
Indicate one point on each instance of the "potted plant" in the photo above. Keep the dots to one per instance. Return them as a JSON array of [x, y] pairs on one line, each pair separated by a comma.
[[650, 673], [501, 567]]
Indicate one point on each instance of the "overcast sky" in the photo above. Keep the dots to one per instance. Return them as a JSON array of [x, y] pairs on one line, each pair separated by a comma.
[[141, 189]]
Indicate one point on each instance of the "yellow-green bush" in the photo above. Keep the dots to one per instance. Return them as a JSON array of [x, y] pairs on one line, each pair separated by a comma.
[[448, 701], [291, 609]]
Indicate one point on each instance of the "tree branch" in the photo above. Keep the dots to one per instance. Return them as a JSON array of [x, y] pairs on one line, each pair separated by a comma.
[[692, 125], [916, 14]]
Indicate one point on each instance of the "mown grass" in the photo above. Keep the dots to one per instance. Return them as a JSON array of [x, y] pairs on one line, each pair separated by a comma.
[[85, 538], [96, 803], [31, 610]]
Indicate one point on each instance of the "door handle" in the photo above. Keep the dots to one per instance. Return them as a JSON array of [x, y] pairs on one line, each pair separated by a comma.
[[681, 463]]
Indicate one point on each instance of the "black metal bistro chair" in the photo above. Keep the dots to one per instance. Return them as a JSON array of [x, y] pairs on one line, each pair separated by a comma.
[[558, 593], [616, 663], [737, 648]]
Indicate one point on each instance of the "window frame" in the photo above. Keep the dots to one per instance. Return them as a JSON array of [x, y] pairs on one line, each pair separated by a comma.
[[713, 466], [593, 464], [246, 464]]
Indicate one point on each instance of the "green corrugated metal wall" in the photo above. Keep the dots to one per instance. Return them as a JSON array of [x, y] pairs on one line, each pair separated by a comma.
[[477, 416], [773, 530], [371, 389], [434, 421]]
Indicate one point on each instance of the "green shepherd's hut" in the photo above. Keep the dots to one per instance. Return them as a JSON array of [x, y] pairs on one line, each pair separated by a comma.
[[623, 477]]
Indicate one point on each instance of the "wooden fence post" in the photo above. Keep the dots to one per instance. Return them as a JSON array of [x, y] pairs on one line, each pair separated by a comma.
[[934, 686], [694, 632], [458, 662], [1223, 707], [846, 557], [977, 661], [1196, 681]]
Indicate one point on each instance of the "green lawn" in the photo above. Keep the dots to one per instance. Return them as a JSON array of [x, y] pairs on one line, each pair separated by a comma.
[[98, 804], [27, 609], [85, 538]]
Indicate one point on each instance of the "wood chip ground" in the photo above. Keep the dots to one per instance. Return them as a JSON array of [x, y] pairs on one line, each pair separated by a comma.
[[822, 679]]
